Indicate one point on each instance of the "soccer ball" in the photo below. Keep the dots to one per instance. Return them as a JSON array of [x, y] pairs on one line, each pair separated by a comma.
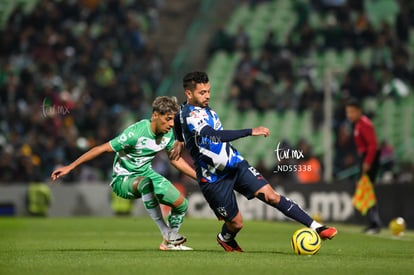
[[397, 226], [305, 241]]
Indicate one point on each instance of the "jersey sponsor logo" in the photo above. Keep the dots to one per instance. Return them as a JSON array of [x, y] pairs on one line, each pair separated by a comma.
[[198, 114]]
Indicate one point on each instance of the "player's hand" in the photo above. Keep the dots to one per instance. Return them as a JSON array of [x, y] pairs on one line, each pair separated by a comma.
[[260, 131], [175, 152], [365, 167], [61, 171]]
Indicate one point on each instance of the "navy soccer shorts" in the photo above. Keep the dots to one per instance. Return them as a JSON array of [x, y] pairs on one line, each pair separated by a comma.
[[244, 179]]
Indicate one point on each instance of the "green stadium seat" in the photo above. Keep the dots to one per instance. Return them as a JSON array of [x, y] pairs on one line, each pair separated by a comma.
[[366, 56], [381, 10], [240, 16], [6, 8]]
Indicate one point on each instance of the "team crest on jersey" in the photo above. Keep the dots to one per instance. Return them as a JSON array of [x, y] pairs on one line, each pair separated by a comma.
[[163, 141], [222, 211]]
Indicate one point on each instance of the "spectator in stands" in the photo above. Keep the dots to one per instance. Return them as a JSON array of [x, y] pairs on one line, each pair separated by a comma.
[[241, 40], [270, 44], [264, 63], [345, 154], [402, 22], [283, 65], [401, 64], [264, 97], [307, 38], [311, 100], [381, 54], [358, 82], [244, 90], [332, 34], [221, 40], [288, 98], [365, 35], [69, 55]]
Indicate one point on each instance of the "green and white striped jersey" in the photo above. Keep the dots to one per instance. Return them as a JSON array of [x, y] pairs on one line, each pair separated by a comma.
[[136, 147]]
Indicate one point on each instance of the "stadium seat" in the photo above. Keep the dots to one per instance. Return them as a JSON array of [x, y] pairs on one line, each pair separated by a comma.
[[382, 10]]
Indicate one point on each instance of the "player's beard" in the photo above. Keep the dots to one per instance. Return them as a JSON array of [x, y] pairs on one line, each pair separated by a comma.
[[204, 104]]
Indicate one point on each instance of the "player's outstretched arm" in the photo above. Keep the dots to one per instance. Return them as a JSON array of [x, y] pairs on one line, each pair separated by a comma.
[[260, 131], [224, 135], [230, 135], [89, 155], [184, 167], [175, 152]]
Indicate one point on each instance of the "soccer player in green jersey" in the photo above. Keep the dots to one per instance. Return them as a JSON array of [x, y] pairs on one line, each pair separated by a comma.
[[133, 176]]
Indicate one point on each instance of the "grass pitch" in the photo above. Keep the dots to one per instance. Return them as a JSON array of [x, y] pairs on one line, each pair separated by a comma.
[[130, 246]]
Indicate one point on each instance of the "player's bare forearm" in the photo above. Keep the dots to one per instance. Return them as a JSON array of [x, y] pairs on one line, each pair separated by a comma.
[[89, 155], [175, 152], [184, 167]]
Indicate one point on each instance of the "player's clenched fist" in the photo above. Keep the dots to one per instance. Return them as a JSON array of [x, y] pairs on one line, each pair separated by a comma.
[[260, 131]]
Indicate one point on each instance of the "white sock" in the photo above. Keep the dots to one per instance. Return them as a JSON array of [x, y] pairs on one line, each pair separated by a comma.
[[155, 213], [175, 230], [315, 225]]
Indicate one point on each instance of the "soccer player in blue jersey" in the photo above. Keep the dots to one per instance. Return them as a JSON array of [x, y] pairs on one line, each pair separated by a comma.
[[221, 169]]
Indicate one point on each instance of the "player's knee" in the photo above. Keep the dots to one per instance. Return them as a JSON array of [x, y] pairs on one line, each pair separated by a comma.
[[182, 208], [143, 185], [271, 198]]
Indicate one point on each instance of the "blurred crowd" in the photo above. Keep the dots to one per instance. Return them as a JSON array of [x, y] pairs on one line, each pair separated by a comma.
[[276, 70], [286, 75], [72, 73]]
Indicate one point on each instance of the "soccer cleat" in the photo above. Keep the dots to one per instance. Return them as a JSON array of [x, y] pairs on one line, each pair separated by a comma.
[[326, 232], [231, 246], [371, 230], [175, 238], [165, 246]]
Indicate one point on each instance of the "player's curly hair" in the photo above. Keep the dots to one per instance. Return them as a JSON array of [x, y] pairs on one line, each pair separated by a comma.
[[191, 80], [165, 105]]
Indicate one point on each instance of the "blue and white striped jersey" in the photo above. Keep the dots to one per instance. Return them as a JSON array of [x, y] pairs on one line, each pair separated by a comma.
[[212, 157]]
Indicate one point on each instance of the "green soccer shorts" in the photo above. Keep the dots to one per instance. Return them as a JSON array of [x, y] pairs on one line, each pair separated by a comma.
[[151, 181]]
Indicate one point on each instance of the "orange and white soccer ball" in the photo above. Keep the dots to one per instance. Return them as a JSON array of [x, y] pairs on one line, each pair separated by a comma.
[[306, 241], [397, 226]]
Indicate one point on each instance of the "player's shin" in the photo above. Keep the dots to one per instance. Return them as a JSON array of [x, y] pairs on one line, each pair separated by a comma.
[[153, 208], [176, 217], [292, 210]]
